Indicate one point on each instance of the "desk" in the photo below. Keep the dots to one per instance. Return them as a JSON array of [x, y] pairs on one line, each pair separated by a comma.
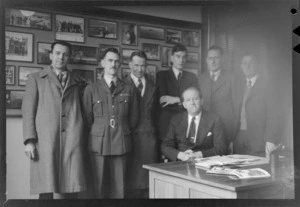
[[184, 180]]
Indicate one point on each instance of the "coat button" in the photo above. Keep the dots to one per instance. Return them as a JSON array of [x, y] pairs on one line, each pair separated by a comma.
[[98, 101], [113, 106]]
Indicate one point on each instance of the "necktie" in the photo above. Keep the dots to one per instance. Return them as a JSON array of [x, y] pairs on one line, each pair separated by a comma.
[[179, 77], [112, 87], [249, 83], [60, 77], [192, 132], [212, 76], [140, 86]]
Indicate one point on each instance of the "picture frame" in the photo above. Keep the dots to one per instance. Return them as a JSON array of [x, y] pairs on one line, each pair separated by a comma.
[[43, 53], [99, 73], [28, 19], [173, 36], [24, 71], [102, 29], [166, 53], [84, 55], [87, 75], [19, 46], [192, 57], [151, 72], [69, 28], [125, 73], [103, 47], [126, 53], [152, 51], [191, 38], [14, 99], [129, 34], [150, 32], [10, 74]]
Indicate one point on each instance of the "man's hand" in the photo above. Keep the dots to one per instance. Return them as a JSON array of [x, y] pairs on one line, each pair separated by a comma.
[[169, 100], [30, 150], [183, 156], [197, 154], [188, 151]]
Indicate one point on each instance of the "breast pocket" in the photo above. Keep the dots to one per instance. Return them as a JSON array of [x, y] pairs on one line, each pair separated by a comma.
[[124, 105], [99, 107]]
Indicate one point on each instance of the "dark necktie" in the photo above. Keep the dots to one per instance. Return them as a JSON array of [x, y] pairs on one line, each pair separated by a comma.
[[212, 76], [112, 87], [192, 132], [60, 78], [140, 86], [179, 77]]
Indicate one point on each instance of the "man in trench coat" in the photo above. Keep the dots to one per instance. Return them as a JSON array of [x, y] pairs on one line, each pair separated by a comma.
[[53, 128]]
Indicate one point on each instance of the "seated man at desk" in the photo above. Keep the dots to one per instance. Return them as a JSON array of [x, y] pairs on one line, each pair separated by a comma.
[[195, 133]]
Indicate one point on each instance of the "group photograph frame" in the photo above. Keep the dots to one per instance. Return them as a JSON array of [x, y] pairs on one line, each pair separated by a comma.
[[102, 29], [69, 28], [86, 55], [43, 53], [19, 46], [191, 38], [152, 51], [173, 36], [152, 32], [24, 71], [28, 19], [129, 33], [10, 71], [14, 99]]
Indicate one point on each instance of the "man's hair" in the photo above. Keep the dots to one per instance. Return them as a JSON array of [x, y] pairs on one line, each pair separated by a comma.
[[64, 43], [138, 53], [178, 48], [214, 47], [191, 88], [110, 49]]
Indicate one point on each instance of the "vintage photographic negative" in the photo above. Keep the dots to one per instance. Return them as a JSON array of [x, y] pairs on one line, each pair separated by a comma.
[[84, 55], [126, 53], [149, 32], [10, 74], [151, 72], [125, 73], [87, 75], [14, 99], [28, 18], [129, 31], [24, 71], [103, 47], [191, 38], [99, 73], [102, 29], [173, 36], [43, 52], [192, 57], [18, 46], [152, 51], [69, 28], [166, 56]]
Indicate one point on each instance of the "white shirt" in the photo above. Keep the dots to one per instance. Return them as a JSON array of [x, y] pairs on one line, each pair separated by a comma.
[[176, 72], [217, 74], [253, 80], [108, 80], [197, 121], [136, 82]]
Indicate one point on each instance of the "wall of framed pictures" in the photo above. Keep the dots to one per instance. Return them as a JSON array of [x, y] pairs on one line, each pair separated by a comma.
[[29, 34]]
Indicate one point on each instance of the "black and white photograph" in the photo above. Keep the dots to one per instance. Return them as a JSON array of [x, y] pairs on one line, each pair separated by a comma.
[[86, 75], [173, 36], [191, 38], [43, 53], [84, 55], [10, 74], [69, 28], [165, 56], [14, 99], [23, 73], [151, 72], [152, 51], [103, 47], [129, 34], [99, 73], [102, 29], [126, 53], [19, 46], [192, 57], [150, 32], [28, 18]]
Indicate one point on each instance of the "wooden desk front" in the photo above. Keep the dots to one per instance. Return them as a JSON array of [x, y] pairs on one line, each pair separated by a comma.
[[184, 180]]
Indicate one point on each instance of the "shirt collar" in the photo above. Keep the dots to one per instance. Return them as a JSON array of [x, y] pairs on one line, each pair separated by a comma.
[[217, 74], [136, 80], [109, 79], [58, 71], [176, 72], [197, 117], [253, 80]]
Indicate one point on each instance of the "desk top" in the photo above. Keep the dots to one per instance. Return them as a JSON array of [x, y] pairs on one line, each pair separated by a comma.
[[188, 171]]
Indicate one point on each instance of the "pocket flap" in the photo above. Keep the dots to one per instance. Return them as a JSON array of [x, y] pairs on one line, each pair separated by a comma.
[[97, 131]]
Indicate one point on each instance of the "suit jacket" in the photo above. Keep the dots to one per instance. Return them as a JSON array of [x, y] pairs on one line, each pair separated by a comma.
[[261, 111], [218, 97], [209, 144], [101, 107]]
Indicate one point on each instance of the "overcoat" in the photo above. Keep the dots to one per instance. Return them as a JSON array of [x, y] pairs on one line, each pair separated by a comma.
[[145, 145], [52, 116]]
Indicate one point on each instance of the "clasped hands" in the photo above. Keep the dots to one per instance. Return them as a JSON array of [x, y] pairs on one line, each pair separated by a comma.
[[189, 154], [169, 100]]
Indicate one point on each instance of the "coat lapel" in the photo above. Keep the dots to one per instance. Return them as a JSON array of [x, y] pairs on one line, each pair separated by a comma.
[[119, 87], [220, 81], [202, 128], [149, 91], [51, 76]]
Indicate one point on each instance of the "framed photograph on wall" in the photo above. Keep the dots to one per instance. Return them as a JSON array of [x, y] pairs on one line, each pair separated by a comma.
[[173, 36], [191, 38], [103, 47], [99, 73], [14, 99], [10, 74], [192, 57], [129, 34], [24, 71], [102, 29], [69, 28], [19, 46], [149, 32], [125, 72], [166, 56], [152, 51], [43, 52], [126, 53], [151, 72], [84, 55], [87, 75], [28, 19]]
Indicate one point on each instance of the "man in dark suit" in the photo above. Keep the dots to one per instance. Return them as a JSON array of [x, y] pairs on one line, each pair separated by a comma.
[[170, 84], [256, 110], [145, 146], [216, 87], [111, 112], [196, 133]]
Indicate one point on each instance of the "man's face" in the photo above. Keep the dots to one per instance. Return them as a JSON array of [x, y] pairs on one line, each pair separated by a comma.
[[178, 59], [138, 66], [111, 63], [192, 102], [60, 57], [248, 66], [213, 60]]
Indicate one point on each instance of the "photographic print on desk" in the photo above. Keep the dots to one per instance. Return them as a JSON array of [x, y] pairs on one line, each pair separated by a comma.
[[191, 38], [152, 51], [28, 18], [43, 52], [87, 75], [99, 73], [126, 53], [103, 47], [192, 57], [84, 55], [173, 36], [102, 29], [10, 74], [166, 56], [69, 28], [151, 72], [129, 34], [24, 71], [149, 32], [19, 46]]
